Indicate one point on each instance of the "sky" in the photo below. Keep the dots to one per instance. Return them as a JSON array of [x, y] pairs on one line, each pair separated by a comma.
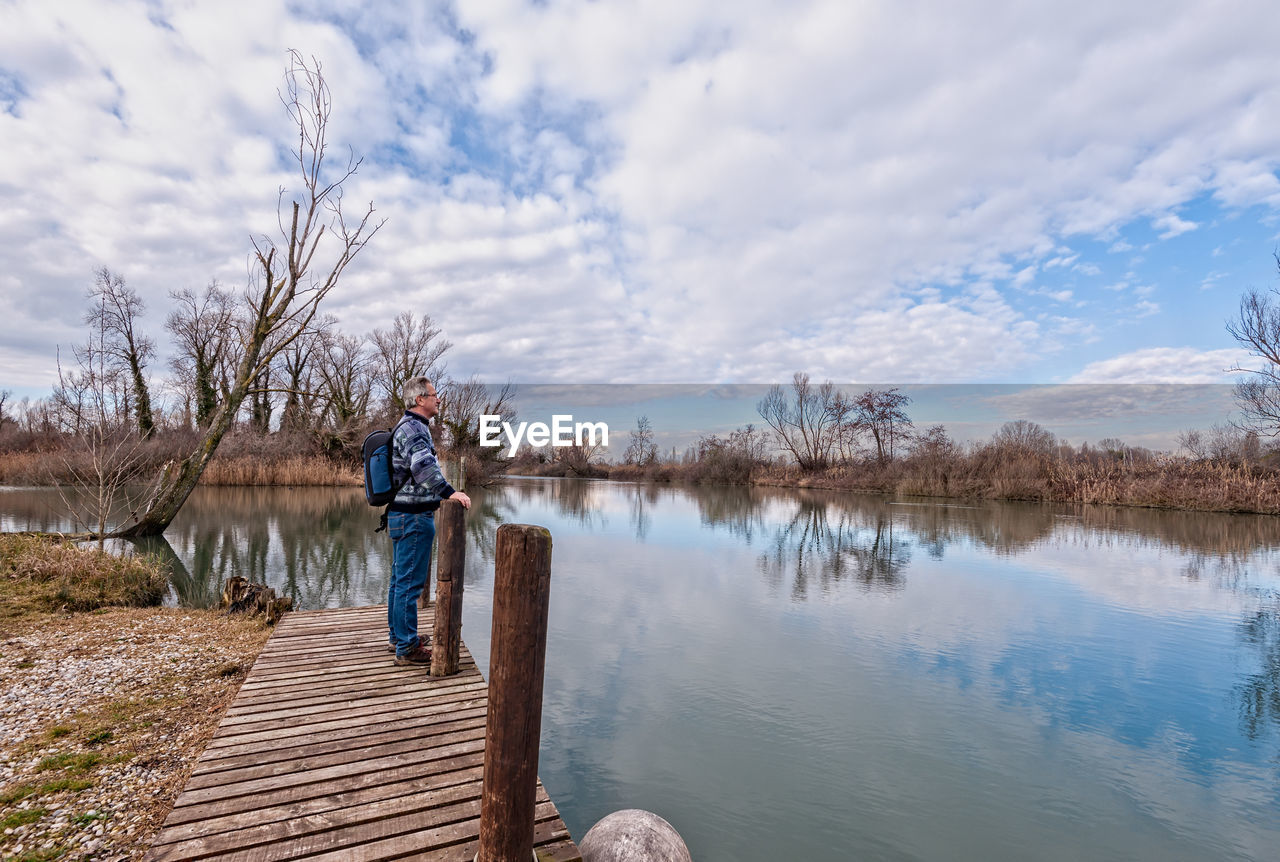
[[673, 192]]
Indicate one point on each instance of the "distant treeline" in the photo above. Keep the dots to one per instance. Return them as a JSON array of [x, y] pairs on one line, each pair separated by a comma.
[[811, 436], [819, 437]]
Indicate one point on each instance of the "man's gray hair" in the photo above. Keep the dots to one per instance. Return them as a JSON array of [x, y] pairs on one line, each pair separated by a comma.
[[413, 387]]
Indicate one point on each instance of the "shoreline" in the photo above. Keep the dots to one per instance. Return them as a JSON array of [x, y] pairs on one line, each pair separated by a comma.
[[1251, 493], [1178, 485]]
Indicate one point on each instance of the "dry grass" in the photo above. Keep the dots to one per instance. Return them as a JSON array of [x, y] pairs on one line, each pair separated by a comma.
[[34, 468], [1189, 485], [1202, 486], [39, 574], [301, 470], [61, 468], [989, 473]]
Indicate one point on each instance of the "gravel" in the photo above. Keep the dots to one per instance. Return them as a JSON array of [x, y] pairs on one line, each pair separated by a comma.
[[102, 716]]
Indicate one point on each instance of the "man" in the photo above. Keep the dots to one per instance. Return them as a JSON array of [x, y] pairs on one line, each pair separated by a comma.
[[411, 518]]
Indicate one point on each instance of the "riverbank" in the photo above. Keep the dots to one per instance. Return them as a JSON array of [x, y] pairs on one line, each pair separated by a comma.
[[1173, 483], [1183, 484], [102, 710], [35, 469]]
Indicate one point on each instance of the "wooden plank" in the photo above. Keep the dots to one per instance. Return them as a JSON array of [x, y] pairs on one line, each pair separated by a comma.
[[341, 705], [372, 664], [430, 771], [425, 809], [383, 789], [330, 751], [256, 752], [263, 737], [380, 663], [394, 838], [336, 755], [405, 679]]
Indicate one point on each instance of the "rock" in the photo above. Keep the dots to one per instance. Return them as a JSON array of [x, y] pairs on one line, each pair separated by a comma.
[[633, 835]]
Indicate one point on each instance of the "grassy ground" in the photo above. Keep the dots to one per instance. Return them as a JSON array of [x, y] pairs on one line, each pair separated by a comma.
[[105, 699], [42, 576]]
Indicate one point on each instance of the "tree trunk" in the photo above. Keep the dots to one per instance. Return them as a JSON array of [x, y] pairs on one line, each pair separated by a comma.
[[206, 394], [178, 481], [142, 399]]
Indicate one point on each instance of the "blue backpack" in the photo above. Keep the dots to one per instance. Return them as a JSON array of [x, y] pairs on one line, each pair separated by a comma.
[[380, 485]]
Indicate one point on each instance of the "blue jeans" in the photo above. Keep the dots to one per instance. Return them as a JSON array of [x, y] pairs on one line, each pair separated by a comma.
[[411, 538]]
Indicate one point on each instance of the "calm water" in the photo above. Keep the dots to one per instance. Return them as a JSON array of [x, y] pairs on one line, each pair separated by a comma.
[[834, 676]]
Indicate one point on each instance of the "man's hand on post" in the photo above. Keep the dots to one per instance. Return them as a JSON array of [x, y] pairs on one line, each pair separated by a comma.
[[461, 498]]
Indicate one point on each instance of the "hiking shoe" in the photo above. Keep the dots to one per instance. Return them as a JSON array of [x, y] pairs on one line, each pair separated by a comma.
[[425, 641], [418, 656]]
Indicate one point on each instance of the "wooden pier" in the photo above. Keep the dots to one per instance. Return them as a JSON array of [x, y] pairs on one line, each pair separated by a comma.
[[331, 752]]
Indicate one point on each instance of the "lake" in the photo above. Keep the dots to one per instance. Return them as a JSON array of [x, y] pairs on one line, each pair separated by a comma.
[[833, 676]]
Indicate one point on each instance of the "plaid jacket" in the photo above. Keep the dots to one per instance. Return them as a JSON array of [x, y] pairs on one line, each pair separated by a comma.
[[413, 459]]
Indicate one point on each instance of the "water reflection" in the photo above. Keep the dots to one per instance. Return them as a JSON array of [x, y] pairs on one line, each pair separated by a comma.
[[1259, 692], [817, 673], [828, 546], [576, 500]]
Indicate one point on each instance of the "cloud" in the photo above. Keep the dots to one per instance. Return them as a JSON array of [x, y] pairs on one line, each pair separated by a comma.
[[1171, 226], [1165, 365], [1146, 414], [635, 192]]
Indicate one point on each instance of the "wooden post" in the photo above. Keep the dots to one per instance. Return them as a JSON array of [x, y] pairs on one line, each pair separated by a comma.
[[451, 555], [517, 658]]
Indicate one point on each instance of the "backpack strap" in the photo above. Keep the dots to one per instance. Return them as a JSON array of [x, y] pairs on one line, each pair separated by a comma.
[[382, 522]]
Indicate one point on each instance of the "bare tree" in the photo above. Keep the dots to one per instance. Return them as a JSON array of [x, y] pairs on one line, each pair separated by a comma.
[[805, 425], [115, 310], [412, 347], [463, 402], [104, 455], [641, 449], [881, 413], [1257, 329], [345, 369], [72, 399], [1192, 442], [286, 288], [6, 396], [1025, 437], [578, 457], [299, 371], [204, 337]]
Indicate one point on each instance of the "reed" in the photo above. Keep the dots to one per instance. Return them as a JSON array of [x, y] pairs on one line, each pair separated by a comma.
[[41, 574], [1002, 473], [311, 470]]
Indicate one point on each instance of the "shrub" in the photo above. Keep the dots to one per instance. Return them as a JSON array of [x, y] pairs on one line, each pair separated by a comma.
[[40, 574]]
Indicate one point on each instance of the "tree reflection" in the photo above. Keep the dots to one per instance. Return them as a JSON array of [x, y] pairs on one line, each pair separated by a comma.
[[575, 499], [190, 592], [642, 499], [488, 511], [815, 548], [318, 545], [1259, 693], [738, 509]]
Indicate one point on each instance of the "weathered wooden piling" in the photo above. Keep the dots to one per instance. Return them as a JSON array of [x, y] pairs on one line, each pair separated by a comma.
[[517, 660], [451, 550]]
